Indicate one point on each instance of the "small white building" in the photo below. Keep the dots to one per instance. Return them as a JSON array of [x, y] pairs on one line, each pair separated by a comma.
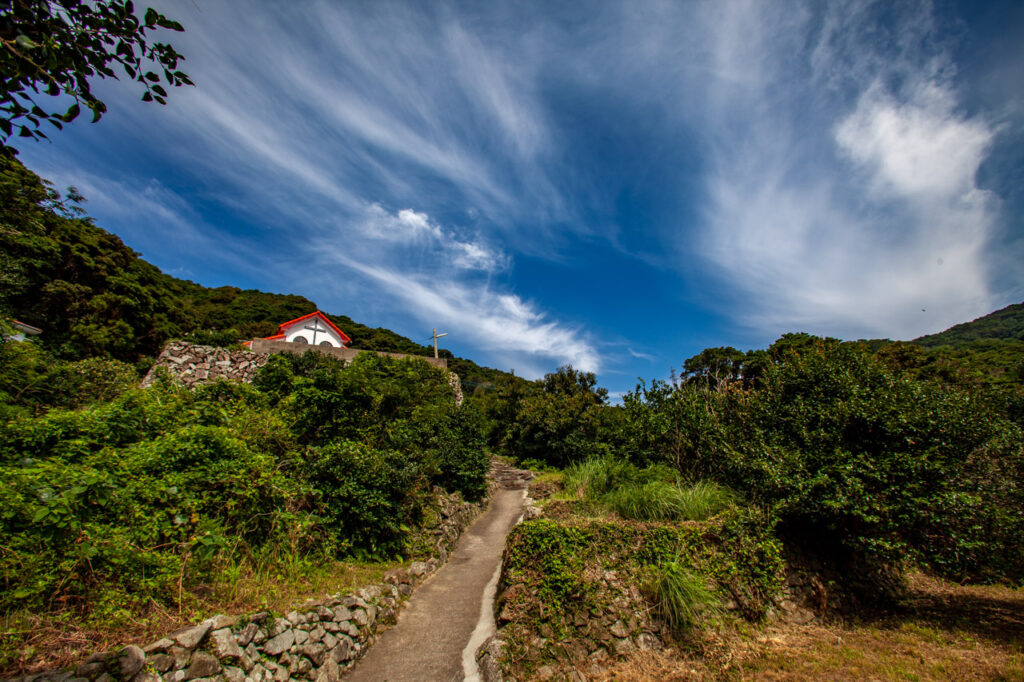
[[313, 329]]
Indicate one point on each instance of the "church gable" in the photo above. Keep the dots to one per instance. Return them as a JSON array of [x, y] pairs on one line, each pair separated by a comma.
[[313, 329]]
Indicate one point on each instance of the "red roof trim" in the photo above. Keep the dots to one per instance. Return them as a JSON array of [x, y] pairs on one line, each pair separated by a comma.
[[284, 325], [26, 328]]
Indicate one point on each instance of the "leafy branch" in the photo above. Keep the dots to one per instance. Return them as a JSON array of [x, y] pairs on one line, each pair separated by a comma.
[[56, 47]]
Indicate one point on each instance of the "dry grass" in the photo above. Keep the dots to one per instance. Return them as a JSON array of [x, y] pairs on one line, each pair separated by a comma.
[[32, 643], [943, 632]]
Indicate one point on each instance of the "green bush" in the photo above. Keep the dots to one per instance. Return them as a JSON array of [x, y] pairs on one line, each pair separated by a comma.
[[366, 498]]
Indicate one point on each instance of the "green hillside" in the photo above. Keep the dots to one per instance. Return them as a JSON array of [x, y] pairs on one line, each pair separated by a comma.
[[1006, 323], [97, 298]]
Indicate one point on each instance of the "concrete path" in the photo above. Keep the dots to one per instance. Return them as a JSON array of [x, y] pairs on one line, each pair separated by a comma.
[[450, 614]]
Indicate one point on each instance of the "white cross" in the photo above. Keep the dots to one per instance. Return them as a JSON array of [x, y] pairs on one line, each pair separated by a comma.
[[315, 328]]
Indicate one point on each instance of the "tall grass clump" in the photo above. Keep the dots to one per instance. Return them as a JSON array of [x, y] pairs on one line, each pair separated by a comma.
[[662, 501], [649, 494], [593, 478], [681, 599]]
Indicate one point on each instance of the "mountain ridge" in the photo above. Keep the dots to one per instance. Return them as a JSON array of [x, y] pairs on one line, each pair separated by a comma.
[[1006, 323]]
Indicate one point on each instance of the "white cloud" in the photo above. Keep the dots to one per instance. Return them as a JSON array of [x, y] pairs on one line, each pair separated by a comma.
[[502, 324], [474, 256], [409, 230], [919, 147], [418, 221], [642, 356]]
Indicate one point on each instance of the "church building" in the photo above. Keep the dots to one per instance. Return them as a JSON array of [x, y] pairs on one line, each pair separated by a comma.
[[313, 329]]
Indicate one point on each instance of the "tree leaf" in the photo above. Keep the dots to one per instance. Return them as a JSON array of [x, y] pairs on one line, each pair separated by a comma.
[[169, 23], [72, 113], [25, 43]]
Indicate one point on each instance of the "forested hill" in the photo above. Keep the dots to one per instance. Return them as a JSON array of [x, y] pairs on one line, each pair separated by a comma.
[[96, 297], [1006, 323]]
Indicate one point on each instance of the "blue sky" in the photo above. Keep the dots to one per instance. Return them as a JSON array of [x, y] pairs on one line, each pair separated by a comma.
[[613, 185]]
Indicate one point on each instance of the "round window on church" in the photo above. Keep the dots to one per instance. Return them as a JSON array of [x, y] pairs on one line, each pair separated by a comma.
[[326, 343], [300, 339]]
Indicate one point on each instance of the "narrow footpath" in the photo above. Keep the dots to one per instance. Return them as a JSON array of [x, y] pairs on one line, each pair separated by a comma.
[[450, 615]]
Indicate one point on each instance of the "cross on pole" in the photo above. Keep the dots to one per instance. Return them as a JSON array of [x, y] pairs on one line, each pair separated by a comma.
[[315, 328], [436, 337]]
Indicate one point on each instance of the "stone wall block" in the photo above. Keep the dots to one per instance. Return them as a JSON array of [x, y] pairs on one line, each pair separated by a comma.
[[280, 643], [130, 661], [246, 635], [203, 665], [224, 646], [189, 638]]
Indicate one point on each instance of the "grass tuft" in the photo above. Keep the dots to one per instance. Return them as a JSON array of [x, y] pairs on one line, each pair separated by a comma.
[[681, 599]]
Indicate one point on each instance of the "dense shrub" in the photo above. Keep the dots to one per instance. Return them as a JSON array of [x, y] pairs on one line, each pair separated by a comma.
[[863, 466], [32, 380], [146, 494], [365, 496]]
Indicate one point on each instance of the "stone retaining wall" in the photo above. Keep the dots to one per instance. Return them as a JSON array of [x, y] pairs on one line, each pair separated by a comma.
[[317, 642], [192, 364]]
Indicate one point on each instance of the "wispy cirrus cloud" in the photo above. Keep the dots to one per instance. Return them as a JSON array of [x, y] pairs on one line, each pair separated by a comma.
[[845, 201], [508, 170]]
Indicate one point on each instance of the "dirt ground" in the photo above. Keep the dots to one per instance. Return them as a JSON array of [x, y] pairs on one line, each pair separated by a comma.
[[943, 631]]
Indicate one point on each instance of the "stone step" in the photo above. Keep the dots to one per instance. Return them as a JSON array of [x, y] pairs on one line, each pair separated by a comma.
[[509, 477]]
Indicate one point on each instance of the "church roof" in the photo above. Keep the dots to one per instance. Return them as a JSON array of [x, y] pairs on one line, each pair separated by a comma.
[[281, 328], [26, 328]]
